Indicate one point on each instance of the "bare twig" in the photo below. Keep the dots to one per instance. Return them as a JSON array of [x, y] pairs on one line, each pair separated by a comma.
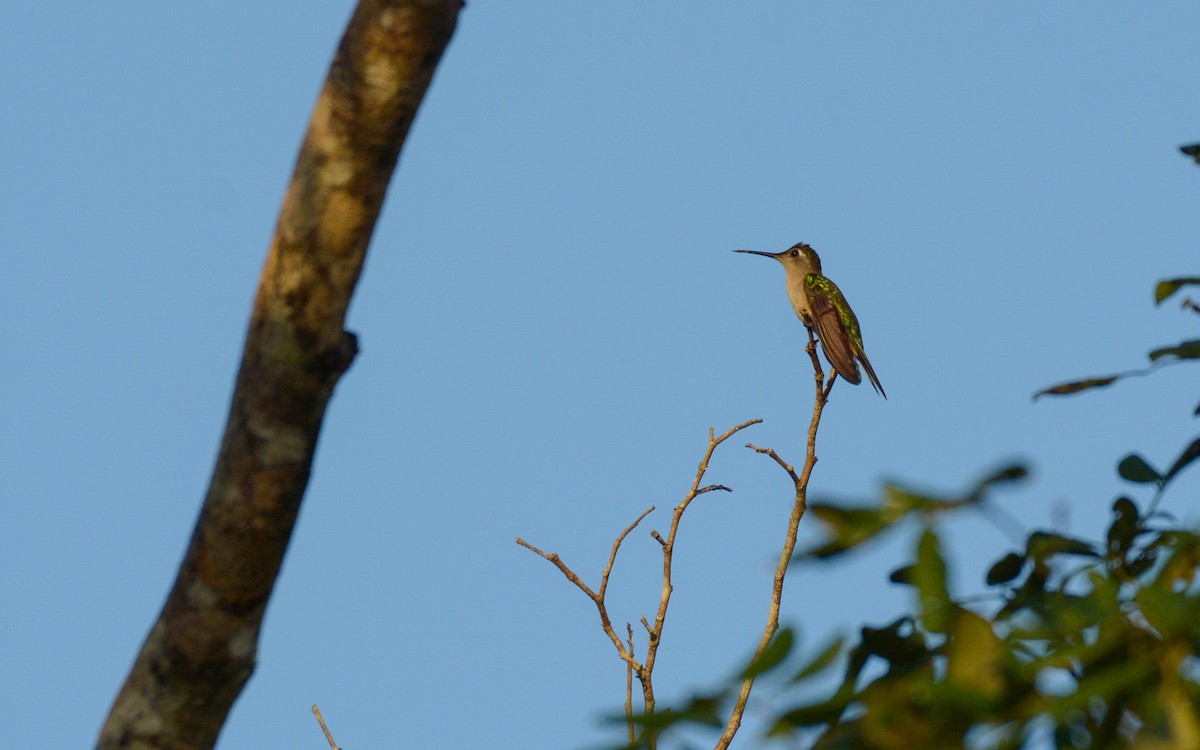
[[616, 546], [321, 720], [668, 551], [800, 483], [629, 685], [644, 671], [597, 597]]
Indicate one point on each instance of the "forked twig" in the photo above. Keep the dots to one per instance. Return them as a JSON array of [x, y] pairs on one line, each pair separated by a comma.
[[643, 671]]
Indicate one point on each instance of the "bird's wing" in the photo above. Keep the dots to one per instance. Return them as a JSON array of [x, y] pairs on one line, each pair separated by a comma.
[[833, 329]]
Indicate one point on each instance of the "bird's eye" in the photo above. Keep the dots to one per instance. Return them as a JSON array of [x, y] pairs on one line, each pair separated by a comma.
[[795, 253]]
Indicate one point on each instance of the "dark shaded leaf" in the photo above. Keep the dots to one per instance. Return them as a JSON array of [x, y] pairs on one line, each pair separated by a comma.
[[1005, 475], [1124, 529], [775, 652], [812, 714], [700, 709], [1044, 544], [1134, 468], [1142, 563], [1010, 473], [1005, 569], [1167, 287], [1184, 350], [890, 643], [902, 575], [1075, 386], [1191, 453]]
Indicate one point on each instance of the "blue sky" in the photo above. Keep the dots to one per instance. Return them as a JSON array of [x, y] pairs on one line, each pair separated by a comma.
[[551, 319]]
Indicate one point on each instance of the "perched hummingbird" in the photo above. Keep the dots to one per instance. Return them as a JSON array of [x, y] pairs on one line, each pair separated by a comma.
[[821, 305]]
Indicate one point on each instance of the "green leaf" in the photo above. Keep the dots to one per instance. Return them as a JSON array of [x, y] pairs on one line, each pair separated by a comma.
[[1184, 350], [902, 575], [929, 574], [1044, 544], [1124, 529], [700, 709], [1005, 475], [775, 652], [1010, 473], [822, 661], [1075, 386], [812, 714], [1134, 468], [890, 643], [1191, 453], [1005, 569], [1170, 613], [1167, 287], [975, 655], [846, 528]]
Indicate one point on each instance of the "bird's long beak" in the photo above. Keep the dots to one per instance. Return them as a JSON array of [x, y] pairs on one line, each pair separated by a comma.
[[759, 252]]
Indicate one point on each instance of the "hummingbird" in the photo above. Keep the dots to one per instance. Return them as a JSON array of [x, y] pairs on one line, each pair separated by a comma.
[[821, 305]]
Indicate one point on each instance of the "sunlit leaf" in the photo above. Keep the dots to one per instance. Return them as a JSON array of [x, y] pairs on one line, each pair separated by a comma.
[[975, 655], [822, 661], [845, 527], [899, 501], [1167, 287], [929, 574], [775, 652], [1005, 569], [1075, 386], [1170, 613], [1134, 468]]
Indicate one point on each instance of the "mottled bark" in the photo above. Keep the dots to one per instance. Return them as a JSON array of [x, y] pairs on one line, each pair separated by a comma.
[[201, 650]]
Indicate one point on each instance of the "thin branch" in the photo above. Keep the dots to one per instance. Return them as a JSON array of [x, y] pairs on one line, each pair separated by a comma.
[[644, 671], [562, 566], [616, 546], [668, 552], [597, 597], [771, 452], [321, 720], [629, 685], [800, 484]]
